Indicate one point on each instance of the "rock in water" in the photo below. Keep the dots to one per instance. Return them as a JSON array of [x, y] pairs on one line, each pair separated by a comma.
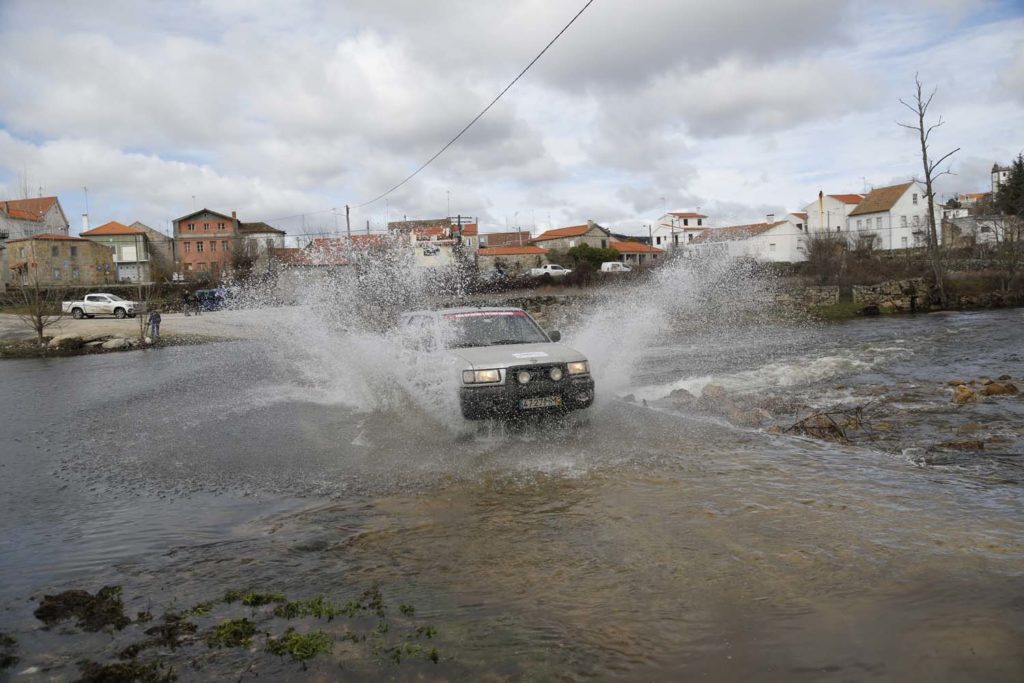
[[962, 394], [115, 344], [713, 392], [1001, 389]]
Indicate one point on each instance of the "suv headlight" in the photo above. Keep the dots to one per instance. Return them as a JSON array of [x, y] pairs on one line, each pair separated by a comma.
[[580, 367], [481, 376]]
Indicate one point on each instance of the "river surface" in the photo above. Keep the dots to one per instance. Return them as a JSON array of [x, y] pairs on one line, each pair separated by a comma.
[[634, 541]]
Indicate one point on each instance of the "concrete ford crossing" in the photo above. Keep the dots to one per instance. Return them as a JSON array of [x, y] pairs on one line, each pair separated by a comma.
[[507, 365]]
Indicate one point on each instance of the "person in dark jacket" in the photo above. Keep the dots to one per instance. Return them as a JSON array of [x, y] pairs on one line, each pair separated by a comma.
[[154, 324]]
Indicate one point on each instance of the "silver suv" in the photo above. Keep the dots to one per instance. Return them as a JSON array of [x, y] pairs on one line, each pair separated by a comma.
[[507, 365]]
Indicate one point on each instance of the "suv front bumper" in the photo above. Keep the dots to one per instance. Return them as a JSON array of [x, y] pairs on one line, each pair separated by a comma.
[[481, 402]]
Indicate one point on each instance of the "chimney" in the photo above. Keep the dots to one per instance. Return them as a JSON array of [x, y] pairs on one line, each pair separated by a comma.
[[234, 215], [85, 222], [771, 218], [590, 223]]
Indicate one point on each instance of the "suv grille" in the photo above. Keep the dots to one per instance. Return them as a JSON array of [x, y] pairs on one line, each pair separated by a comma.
[[539, 374]]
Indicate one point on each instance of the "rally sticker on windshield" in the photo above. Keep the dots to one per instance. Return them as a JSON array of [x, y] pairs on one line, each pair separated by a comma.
[[531, 354], [483, 314]]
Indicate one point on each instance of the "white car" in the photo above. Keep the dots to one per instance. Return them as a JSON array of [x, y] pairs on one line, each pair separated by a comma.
[[615, 267], [552, 269], [506, 365], [101, 304]]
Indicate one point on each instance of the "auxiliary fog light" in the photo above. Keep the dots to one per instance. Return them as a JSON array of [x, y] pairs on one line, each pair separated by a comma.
[[555, 374], [523, 376], [481, 376], [580, 367]]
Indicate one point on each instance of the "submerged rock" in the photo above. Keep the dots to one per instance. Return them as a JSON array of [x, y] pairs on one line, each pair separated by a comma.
[[713, 392], [93, 612], [972, 445], [963, 394]]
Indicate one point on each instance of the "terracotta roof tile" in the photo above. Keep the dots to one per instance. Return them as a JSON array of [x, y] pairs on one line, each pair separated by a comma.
[[848, 198], [49, 236], [558, 233], [881, 199], [629, 247], [27, 209], [112, 228], [512, 251]]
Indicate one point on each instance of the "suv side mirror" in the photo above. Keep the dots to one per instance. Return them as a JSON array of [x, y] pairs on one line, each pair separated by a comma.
[[555, 335]]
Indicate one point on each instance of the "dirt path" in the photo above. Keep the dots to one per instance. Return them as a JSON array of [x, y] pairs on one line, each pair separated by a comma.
[[229, 324]]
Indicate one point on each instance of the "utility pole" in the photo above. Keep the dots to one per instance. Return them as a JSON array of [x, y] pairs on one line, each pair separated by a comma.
[[348, 223], [449, 214], [650, 235], [367, 226]]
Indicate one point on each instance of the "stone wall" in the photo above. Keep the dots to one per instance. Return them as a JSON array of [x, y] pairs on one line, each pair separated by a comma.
[[809, 297], [895, 296]]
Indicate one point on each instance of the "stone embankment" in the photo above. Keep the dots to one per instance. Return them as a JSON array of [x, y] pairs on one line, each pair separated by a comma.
[[896, 296]]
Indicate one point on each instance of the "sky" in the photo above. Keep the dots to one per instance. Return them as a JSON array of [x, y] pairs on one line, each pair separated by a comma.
[[286, 112]]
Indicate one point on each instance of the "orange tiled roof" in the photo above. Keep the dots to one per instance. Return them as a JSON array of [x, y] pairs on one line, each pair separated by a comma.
[[799, 214], [27, 209], [112, 228], [881, 199], [629, 247], [737, 232], [49, 236], [512, 251], [558, 233], [848, 198]]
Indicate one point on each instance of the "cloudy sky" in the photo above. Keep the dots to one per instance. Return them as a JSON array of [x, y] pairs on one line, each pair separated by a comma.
[[283, 109]]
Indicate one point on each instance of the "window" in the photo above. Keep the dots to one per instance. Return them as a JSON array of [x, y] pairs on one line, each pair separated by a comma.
[[206, 226], [54, 251], [860, 224], [270, 242], [604, 244], [657, 240], [56, 274], [903, 221], [903, 242], [188, 267], [771, 247], [224, 245], [689, 238], [878, 223], [572, 243], [74, 274], [188, 247], [220, 226], [700, 221], [202, 267], [686, 221], [192, 226], [915, 199], [74, 252], [213, 245], [917, 221], [199, 247], [21, 252]]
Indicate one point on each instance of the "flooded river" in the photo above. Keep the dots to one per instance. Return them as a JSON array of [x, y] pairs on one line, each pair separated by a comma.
[[640, 540]]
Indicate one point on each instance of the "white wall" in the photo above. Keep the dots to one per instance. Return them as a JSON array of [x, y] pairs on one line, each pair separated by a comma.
[[892, 233], [831, 214]]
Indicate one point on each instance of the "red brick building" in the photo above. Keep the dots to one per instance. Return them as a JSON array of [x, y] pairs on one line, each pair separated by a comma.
[[203, 243]]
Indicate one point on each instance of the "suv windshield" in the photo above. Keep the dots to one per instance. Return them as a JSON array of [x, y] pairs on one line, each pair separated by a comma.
[[489, 328]]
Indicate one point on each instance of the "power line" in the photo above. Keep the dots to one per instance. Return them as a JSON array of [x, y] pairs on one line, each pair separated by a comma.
[[480, 115]]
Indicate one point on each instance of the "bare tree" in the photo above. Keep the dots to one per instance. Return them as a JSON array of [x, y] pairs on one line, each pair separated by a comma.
[[41, 304], [919, 107]]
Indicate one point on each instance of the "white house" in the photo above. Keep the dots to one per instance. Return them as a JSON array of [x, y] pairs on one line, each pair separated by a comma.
[[828, 213], [893, 217], [777, 241], [678, 228], [1000, 174], [21, 218]]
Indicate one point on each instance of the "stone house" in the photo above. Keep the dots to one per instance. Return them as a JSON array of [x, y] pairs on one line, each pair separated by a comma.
[[56, 260], [513, 260], [893, 217], [504, 239], [563, 239]]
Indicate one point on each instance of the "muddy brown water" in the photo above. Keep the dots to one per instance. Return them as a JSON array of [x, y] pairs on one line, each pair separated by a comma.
[[631, 542]]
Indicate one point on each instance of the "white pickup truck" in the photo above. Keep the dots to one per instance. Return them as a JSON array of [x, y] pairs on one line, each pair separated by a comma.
[[552, 269], [101, 304]]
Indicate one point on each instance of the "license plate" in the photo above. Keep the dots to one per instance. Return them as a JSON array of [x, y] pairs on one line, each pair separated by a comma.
[[544, 402]]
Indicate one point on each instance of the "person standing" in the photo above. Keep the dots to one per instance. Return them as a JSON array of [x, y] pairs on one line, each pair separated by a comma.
[[154, 324]]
